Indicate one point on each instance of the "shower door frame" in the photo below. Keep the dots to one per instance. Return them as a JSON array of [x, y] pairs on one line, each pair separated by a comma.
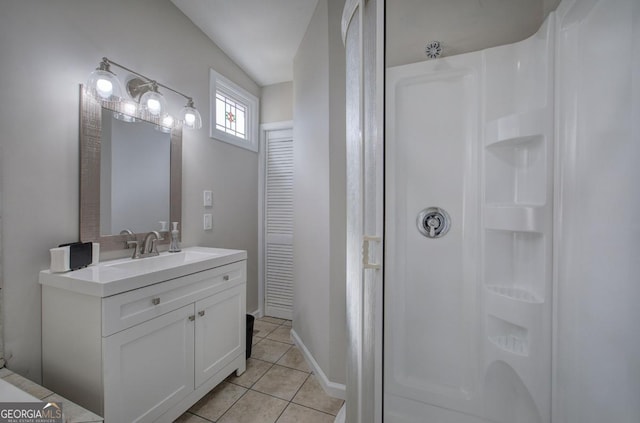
[[365, 207]]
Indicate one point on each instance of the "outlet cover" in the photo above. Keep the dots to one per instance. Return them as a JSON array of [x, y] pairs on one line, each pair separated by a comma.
[[208, 222], [207, 198]]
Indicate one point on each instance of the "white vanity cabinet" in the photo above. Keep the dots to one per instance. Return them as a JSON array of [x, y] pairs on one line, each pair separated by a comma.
[[146, 354]]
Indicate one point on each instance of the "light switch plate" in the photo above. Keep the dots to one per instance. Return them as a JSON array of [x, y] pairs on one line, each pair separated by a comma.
[[208, 222], [207, 198]]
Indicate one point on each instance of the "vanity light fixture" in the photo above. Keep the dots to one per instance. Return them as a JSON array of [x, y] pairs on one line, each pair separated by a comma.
[[104, 84]]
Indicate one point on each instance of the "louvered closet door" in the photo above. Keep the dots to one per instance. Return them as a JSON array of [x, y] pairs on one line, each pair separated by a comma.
[[279, 224]]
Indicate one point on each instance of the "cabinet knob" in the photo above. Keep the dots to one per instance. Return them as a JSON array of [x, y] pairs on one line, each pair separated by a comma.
[[155, 301], [201, 313], [225, 278], [192, 318]]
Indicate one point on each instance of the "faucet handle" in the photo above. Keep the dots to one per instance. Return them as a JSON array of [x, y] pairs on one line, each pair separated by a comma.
[[136, 251]]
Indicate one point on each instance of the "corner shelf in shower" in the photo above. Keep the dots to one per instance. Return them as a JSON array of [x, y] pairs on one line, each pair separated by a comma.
[[516, 171], [507, 336], [515, 264], [519, 128], [515, 293], [511, 344]]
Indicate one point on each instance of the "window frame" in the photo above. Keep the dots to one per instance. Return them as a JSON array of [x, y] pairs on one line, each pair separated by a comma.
[[218, 83]]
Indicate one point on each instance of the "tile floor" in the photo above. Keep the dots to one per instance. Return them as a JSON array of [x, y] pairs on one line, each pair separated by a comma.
[[73, 413], [277, 387]]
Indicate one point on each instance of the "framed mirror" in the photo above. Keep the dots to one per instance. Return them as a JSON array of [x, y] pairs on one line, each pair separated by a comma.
[[130, 173]]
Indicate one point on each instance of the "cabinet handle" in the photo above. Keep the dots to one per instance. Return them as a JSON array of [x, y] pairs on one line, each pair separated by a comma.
[[201, 313], [225, 278], [155, 301], [192, 318]]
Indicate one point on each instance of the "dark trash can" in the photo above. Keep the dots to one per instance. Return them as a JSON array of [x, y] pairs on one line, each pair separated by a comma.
[[250, 320]]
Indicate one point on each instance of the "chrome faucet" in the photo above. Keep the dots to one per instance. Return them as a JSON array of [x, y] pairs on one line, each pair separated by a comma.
[[149, 247]]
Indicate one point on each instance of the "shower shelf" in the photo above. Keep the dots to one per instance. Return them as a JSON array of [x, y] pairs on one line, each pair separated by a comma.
[[510, 343], [514, 218], [516, 171], [516, 128], [513, 293]]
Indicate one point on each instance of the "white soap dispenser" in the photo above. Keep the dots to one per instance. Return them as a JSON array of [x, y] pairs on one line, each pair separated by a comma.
[[174, 247]]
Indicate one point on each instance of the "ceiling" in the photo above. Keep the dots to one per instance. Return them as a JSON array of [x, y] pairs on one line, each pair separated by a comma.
[[261, 36]]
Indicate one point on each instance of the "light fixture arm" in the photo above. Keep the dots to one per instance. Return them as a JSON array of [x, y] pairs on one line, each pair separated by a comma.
[[147, 81]]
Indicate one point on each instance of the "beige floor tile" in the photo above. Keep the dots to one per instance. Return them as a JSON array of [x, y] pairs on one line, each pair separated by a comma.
[[73, 413], [313, 396], [255, 370], [281, 334], [298, 414], [4, 372], [218, 401], [262, 329], [281, 382], [269, 350], [28, 386], [273, 320], [287, 323], [294, 359], [254, 407], [190, 418]]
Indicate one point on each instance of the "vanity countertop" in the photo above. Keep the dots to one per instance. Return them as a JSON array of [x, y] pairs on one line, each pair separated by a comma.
[[116, 276]]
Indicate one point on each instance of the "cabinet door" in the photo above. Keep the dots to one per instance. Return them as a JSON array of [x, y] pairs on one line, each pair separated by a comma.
[[220, 331], [148, 368]]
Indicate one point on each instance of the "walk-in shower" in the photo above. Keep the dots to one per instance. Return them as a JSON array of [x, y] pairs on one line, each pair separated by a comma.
[[511, 242], [468, 314]]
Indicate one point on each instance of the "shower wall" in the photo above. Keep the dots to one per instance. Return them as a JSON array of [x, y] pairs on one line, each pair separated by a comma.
[[468, 315], [597, 353]]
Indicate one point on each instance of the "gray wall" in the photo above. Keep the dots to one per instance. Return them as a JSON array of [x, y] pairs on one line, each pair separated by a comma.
[[276, 103], [319, 191], [47, 48]]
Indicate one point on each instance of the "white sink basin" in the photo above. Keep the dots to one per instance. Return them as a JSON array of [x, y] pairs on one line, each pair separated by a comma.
[[163, 261], [116, 276]]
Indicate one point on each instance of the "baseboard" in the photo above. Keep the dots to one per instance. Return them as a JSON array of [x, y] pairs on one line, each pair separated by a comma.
[[257, 314], [336, 390]]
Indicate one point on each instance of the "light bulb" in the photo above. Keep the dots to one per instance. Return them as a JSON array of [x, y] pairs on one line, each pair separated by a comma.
[[104, 88], [167, 120], [153, 102], [153, 106], [130, 108], [191, 116]]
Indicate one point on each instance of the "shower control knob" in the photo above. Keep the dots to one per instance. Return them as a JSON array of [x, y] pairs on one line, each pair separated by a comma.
[[433, 222]]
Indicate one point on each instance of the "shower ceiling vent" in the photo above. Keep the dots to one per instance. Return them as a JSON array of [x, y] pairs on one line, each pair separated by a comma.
[[433, 50]]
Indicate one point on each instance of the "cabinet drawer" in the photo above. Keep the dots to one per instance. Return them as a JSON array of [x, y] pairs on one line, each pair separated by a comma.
[[133, 307]]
